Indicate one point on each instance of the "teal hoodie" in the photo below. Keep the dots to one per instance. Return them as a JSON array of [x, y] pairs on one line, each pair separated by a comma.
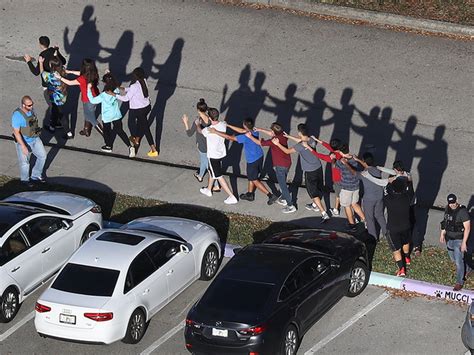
[[109, 105]]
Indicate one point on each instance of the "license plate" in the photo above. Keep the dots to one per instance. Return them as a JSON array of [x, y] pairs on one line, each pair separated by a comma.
[[220, 332], [68, 319]]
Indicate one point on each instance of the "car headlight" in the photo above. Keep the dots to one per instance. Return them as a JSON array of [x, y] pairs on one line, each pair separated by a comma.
[[96, 209]]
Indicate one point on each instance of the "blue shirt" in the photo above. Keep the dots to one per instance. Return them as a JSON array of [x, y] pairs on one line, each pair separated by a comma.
[[252, 150], [19, 121]]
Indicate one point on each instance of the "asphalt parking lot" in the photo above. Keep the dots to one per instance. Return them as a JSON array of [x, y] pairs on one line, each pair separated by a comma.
[[373, 323]]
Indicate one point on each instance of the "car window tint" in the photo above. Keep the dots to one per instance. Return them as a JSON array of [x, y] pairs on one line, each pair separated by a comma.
[[13, 246], [86, 280], [40, 228], [293, 283], [313, 268], [162, 251], [140, 268]]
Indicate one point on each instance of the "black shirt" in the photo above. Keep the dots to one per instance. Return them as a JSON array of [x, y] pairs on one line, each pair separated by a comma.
[[47, 54], [398, 211]]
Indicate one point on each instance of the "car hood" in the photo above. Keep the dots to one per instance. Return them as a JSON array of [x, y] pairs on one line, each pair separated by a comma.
[[72, 204]]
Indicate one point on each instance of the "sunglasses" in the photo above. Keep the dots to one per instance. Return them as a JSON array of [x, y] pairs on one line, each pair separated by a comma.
[[30, 105]]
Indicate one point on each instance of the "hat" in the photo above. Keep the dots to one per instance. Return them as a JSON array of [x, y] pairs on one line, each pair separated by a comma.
[[452, 198]]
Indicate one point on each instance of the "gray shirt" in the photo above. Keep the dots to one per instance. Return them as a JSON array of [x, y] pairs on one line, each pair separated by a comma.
[[309, 162], [200, 139], [372, 191]]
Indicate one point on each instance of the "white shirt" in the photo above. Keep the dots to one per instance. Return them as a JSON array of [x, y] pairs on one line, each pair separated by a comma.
[[215, 144]]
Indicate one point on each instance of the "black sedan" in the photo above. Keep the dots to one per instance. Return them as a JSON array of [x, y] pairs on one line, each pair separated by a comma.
[[268, 295]]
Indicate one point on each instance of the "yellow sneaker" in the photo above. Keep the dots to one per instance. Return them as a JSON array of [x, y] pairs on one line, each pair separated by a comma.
[[152, 154]]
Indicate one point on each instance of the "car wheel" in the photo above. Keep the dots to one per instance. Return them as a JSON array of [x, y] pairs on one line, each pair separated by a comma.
[[136, 327], [90, 230], [210, 263], [9, 305], [290, 342], [358, 279]]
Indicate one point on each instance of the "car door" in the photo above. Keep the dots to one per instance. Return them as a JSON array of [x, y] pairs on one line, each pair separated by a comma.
[[48, 234], [22, 262], [179, 267], [148, 283]]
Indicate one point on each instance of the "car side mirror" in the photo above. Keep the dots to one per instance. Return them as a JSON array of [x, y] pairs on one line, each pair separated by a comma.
[[183, 248], [66, 224], [334, 264]]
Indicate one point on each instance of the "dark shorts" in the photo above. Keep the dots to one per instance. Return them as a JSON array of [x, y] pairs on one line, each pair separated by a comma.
[[254, 169], [215, 168], [397, 239], [314, 183]]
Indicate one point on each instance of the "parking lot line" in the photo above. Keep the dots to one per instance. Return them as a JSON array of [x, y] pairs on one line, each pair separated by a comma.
[[13, 329], [163, 339], [347, 324]]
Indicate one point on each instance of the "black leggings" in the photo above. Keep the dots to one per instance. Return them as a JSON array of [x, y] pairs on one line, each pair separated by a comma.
[[57, 116], [118, 129], [139, 123]]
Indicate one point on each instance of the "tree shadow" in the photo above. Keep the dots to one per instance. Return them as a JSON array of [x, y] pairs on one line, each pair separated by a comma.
[[166, 85]]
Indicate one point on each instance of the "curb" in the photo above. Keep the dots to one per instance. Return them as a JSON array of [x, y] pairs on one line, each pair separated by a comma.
[[378, 18], [383, 280]]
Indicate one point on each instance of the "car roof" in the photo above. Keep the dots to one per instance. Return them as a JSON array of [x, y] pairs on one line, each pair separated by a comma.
[[115, 255], [265, 263], [11, 214]]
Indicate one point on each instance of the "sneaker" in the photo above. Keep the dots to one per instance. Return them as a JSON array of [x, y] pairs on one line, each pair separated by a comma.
[[311, 207], [325, 217], [272, 199], [289, 209], [231, 200], [248, 196], [281, 201], [131, 152], [154, 154], [334, 211], [407, 260], [457, 287], [69, 134], [205, 191], [28, 184], [38, 180], [401, 272], [351, 227], [106, 149]]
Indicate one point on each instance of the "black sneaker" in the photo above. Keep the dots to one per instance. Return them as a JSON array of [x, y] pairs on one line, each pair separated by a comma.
[[27, 184], [106, 149], [272, 199], [38, 180], [248, 196]]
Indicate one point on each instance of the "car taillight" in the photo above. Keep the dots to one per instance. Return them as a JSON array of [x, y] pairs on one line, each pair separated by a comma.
[[99, 317], [96, 209], [253, 330], [41, 308]]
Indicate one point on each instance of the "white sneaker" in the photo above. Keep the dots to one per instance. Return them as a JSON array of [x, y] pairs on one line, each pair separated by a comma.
[[131, 151], [334, 211], [281, 201], [325, 217], [205, 191], [231, 200], [311, 207], [289, 209]]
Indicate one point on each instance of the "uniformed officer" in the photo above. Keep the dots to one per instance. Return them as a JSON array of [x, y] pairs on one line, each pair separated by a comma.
[[26, 132], [455, 229]]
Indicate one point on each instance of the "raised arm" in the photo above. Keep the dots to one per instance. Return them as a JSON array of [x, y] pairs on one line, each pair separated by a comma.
[[92, 99], [236, 129], [264, 130], [73, 72], [377, 181], [253, 139], [222, 134], [66, 81], [282, 147], [290, 137], [35, 70], [387, 170], [361, 162]]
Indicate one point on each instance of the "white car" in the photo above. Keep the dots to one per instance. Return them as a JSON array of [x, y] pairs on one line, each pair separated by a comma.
[[120, 278], [39, 231]]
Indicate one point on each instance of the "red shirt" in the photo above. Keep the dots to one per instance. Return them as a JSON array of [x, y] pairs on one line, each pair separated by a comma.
[[83, 86], [335, 172], [279, 158]]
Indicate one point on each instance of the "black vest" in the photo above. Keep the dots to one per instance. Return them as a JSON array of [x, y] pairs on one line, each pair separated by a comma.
[[454, 228]]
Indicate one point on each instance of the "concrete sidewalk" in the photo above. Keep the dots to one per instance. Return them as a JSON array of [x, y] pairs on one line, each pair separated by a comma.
[[170, 183]]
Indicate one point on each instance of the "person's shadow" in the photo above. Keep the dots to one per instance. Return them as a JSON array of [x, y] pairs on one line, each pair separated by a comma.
[[376, 134], [167, 78], [406, 146], [342, 117], [432, 165]]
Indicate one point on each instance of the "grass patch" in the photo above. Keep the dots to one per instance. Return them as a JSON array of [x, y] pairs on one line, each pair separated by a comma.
[[433, 266]]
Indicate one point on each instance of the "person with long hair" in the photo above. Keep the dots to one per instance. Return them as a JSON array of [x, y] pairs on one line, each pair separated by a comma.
[[111, 115], [57, 92], [139, 101], [87, 74]]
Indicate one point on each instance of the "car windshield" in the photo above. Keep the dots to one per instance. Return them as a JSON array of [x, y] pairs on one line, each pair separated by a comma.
[[238, 296], [86, 280]]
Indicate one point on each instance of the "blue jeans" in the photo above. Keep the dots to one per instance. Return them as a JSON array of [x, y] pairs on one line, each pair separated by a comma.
[[281, 174], [37, 149], [204, 163], [456, 256]]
